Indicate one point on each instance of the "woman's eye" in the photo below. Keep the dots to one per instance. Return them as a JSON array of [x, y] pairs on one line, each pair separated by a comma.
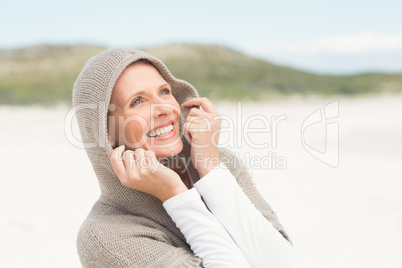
[[166, 90], [138, 101], [135, 102]]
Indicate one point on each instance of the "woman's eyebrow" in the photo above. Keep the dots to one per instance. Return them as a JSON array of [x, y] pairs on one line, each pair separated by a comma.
[[143, 92], [164, 85]]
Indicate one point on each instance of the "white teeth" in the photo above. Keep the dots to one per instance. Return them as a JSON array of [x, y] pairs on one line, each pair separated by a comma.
[[161, 131]]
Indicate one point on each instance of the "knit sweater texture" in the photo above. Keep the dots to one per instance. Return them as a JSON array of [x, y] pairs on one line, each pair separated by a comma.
[[125, 227]]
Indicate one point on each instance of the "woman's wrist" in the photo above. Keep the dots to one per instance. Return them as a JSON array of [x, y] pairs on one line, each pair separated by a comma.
[[208, 165], [181, 188]]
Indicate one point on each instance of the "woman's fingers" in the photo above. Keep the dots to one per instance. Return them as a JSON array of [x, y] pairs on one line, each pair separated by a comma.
[[139, 155], [140, 170], [151, 160], [187, 127], [186, 133], [205, 103], [196, 112], [128, 157]]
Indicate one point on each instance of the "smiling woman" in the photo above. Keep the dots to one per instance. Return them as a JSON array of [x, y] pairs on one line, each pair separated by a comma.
[[144, 100], [204, 211]]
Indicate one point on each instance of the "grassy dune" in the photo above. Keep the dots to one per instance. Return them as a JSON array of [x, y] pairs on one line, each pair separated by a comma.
[[45, 74]]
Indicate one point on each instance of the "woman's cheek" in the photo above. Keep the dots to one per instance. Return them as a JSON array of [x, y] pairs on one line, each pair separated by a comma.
[[175, 103], [134, 132]]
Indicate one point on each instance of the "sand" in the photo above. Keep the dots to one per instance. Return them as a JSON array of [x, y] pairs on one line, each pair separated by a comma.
[[344, 216]]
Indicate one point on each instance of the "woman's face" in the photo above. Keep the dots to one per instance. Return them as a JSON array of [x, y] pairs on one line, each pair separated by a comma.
[[141, 102]]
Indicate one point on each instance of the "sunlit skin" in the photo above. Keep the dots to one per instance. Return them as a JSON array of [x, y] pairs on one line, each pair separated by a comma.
[[142, 100], [134, 114]]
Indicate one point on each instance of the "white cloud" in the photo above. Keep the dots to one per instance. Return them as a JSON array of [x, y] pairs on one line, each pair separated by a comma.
[[342, 44], [338, 54]]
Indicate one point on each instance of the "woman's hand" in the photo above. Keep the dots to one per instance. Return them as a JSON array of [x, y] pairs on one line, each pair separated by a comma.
[[140, 170], [202, 129]]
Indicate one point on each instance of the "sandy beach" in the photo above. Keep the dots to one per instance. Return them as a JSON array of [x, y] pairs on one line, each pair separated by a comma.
[[347, 214]]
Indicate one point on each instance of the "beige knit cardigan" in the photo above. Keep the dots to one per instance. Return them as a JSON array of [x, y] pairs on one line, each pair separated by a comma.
[[128, 228]]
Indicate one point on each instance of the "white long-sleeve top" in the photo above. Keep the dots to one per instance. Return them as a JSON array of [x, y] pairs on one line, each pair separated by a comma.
[[227, 230]]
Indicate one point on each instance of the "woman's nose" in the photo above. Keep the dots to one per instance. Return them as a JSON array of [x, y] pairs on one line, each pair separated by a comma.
[[161, 109]]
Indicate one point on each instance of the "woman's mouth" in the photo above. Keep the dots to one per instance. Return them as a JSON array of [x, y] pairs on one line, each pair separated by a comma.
[[162, 133]]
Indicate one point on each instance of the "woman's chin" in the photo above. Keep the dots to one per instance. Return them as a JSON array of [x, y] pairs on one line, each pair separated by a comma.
[[168, 152]]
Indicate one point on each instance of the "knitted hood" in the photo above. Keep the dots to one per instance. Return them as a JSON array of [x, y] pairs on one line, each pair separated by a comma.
[[91, 97]]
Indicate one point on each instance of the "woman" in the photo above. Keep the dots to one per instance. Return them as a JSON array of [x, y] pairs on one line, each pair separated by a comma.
[[203, 210]]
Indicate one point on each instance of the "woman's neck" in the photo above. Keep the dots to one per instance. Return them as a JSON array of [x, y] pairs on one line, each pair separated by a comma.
[[178, 165]]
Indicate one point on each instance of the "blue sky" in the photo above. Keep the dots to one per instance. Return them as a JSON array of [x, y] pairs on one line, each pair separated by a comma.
[[321, 36]]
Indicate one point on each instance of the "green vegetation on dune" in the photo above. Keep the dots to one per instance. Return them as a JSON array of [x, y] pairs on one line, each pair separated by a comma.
[[219, 69], [46, 74], [41, 74]]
